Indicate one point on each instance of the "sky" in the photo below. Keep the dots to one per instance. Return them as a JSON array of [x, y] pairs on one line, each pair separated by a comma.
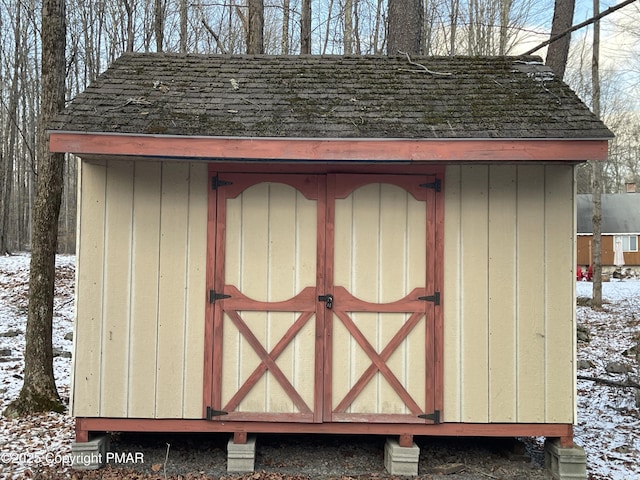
[[619, 46]]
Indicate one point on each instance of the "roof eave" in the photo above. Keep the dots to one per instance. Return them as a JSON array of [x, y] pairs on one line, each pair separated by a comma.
[[330, 149]]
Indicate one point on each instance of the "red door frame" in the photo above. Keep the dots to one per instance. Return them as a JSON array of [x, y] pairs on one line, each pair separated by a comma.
[[216, 225]]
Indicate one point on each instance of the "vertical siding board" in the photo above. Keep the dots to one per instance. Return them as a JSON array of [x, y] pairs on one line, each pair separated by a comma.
[[342, 349], [282, 286], [89, 287], [366, 276], [560, 284], [144, 289], [502, 276], [475, 353], [452, 348], [306, 260], [365, 283], [172, 281], [530, 294], [394, 230], [117, 277], [393, 286], [255, 253], [255, 242], [196, 292]]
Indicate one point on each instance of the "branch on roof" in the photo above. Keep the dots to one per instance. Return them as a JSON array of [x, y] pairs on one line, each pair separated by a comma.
[[424, 69], [579, 26]]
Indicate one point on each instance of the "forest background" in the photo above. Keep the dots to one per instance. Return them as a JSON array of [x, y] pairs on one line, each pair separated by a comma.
[[99, 31]]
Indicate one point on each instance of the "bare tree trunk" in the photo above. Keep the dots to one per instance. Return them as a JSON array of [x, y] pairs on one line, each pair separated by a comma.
[[305, 27], [7, 161], [348, 27], [558, 51], [255, 27], [326, 32], [453, 18], [159, 14], [184, 13], [376, 35], [405, 27], [505, 11], [129, 8], [356, 27], [286, 20], [596, 300], [39, 391]]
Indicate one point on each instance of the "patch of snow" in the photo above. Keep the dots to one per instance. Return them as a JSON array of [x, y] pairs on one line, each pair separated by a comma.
[[45, 439], [608, 420]]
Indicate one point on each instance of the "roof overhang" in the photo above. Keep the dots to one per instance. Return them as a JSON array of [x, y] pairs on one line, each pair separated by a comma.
[[328, 150]]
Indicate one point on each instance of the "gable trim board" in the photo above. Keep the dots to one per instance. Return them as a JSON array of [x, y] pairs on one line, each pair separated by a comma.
[[327, 150]]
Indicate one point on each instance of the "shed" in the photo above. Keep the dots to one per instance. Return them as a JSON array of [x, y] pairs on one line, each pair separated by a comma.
[[620, 221], [327, 244]]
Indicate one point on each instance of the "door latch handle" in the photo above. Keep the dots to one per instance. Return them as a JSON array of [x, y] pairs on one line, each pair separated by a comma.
[[328, 299]]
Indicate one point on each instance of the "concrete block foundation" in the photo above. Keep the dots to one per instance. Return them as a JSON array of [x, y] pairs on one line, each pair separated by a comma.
[[90, 455], [401, 460], [241, 456], [565, 463]]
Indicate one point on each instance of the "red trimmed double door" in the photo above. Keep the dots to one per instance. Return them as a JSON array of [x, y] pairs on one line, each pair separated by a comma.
[[323, 298]]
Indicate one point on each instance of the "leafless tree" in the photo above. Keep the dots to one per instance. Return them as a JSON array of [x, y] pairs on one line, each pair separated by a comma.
[[286, 16], [305, 27], [596, 300], [348, 27], [255, 27], [184, 17], [159, 17], [39, 391], [558, 51], [405, 27]]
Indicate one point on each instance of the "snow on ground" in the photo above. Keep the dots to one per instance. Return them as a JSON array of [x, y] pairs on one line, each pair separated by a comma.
[[44, 439], [608, 418], [609, 421]]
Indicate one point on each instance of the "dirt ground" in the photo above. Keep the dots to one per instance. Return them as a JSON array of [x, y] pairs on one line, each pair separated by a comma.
[[321, 457]]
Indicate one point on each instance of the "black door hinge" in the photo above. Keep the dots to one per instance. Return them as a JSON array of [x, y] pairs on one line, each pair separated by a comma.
[[216, 182], [435, 298], [434, 417], [213, 296], [214, 413], [436, 185]]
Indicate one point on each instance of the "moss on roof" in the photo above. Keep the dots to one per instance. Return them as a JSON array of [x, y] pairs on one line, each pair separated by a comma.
[[331, 97]]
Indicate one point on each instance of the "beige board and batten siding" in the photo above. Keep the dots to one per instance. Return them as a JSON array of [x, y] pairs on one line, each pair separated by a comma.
[[509, 294], [140, 290]]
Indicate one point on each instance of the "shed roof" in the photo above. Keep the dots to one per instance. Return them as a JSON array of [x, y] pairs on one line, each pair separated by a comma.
[[331, 97], [620, 213]]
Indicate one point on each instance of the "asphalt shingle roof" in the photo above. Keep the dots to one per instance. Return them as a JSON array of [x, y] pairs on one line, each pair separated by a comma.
[[620, 213], [331, 97]]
